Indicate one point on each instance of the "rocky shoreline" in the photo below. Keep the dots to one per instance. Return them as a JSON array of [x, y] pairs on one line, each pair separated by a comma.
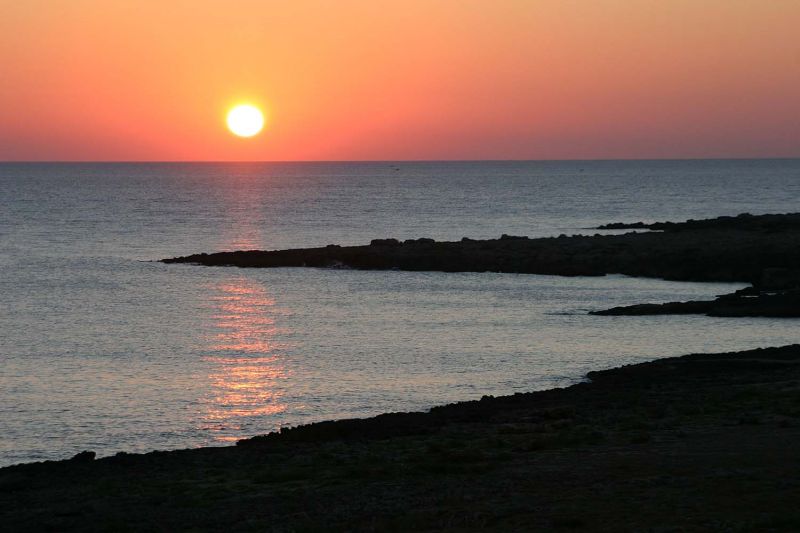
[[763, 250], [693, 443], [752, 302]]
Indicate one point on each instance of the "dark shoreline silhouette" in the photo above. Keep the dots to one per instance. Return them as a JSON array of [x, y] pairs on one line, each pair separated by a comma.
[[749, 302], [763, 250], [704, 441]]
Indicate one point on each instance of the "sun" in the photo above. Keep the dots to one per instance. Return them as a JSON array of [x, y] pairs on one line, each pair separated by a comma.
[[245, 120]]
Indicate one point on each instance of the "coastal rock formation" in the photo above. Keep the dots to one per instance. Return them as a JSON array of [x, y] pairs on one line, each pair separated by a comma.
[[776, 294], [745, 248], [763, 250], [784, 304], [740, 248], [744, 221]]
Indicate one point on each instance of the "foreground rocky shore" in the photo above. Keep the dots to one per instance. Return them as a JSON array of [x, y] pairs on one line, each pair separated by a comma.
[[763, 250], [700, 442]]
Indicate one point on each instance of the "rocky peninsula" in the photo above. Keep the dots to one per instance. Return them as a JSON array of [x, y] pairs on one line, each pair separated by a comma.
[[763, 250], [696, 443]]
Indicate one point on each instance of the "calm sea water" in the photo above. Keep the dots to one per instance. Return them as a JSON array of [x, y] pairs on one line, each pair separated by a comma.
[[103, 349]]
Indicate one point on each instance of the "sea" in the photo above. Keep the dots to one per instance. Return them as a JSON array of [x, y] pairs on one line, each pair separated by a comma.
[[104, 348]]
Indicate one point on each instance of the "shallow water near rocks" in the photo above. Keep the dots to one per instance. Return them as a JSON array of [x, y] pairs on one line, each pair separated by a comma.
[[103, 349]]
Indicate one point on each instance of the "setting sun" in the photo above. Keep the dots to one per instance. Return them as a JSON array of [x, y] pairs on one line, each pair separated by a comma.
[[245, 120]]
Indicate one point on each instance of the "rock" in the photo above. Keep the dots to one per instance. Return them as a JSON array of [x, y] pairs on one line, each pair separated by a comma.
[[741, 221], [83, 457], [623, 225], [744, 249], [381, 242], [784, 304], [670, 308]]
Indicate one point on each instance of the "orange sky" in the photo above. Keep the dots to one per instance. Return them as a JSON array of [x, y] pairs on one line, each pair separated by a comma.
[[410, 79]]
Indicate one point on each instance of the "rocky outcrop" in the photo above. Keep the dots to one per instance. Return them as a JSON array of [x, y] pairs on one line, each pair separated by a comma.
[[775, 294], [697, 307], [783, 304], [744, 221], [745, 248]]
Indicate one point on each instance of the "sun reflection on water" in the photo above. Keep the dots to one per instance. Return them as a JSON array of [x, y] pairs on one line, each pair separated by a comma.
[[246, 358]]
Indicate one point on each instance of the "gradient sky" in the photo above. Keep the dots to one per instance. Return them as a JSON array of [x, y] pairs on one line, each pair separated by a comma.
[[406, 79]]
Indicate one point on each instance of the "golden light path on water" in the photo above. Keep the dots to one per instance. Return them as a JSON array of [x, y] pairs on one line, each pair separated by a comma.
[[246, 359]]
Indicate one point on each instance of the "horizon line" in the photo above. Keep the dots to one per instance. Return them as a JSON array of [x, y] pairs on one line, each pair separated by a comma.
[[242, 161]]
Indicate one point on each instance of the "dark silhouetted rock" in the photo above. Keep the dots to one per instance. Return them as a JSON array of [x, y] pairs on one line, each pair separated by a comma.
[[623, 225], [382, 242], [784, 304], [744, 221], [670, 308], [722, 249], [83, 457]]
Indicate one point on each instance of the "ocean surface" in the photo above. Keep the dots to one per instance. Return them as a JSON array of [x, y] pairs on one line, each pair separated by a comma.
[[101, 348]]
